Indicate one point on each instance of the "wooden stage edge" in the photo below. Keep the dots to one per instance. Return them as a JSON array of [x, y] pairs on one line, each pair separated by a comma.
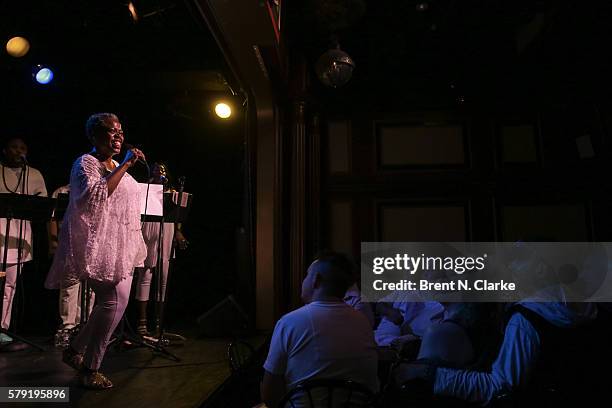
[[142, 377]]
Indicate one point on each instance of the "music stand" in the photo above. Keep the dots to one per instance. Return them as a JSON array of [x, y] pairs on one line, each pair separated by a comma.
[[21, 207], [176, 206], [61, 205], [173, 212], [176, 210]]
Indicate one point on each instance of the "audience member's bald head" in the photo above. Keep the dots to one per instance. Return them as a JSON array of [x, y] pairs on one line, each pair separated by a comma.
[[330, 275]]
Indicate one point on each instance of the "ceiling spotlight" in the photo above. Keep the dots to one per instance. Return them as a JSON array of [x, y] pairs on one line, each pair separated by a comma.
[[223, 110], [423, 6], [43, 75], [133, 11], [17, 47]]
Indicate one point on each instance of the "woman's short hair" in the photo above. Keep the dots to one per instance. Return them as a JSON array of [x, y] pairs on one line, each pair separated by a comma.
[[97, 122]]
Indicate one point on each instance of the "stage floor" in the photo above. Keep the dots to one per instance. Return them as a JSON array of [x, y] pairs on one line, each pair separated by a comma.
[[141, 377]]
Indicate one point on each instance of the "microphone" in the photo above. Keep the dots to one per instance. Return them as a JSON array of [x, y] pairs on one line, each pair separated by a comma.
[[181, 181], [140, 159]]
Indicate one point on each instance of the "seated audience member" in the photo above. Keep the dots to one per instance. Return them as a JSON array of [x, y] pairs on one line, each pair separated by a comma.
[[535, 333], [404, 321], [465, 338], [352, 297], [325, 339], [448, 342]]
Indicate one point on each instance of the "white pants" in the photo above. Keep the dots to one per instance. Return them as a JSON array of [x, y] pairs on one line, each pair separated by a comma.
[[70, 305], [93, 338], [143, 282], [9, 294]]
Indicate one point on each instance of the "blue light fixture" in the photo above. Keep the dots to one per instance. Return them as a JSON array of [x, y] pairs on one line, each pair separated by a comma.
[[43, 75]]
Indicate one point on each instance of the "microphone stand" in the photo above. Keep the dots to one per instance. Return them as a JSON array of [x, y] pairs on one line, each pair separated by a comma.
[[125, 331], [163, 297]]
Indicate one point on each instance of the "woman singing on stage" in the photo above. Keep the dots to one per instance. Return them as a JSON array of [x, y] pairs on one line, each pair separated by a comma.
[[101, 241]]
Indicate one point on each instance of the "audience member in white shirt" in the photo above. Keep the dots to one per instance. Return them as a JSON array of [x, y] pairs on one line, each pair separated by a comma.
[[403, 321], [352, 297], [448, 342], [325, 339]]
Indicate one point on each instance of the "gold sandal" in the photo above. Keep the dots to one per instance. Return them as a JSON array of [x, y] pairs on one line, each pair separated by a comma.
[[95, 380], [73, 358]]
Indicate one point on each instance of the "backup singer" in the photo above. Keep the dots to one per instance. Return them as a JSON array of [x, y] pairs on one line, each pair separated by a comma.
[[69, 297], [17, 178], [150, 231], [101, 241]]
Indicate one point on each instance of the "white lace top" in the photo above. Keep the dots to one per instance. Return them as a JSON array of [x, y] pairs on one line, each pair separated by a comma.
[[101, 236]]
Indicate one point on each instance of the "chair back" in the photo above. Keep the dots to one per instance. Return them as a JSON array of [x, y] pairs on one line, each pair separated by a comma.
[[328, 393], [239, 353]]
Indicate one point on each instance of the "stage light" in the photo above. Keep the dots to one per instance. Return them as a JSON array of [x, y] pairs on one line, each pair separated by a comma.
[[423, 6], [133, 11], [17, 47], [43, 75], [223, 110]]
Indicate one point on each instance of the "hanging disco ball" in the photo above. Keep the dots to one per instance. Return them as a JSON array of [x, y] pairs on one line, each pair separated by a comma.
[[335, 67]]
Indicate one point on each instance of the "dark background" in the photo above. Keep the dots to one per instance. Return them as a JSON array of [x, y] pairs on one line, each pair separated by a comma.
[[479, 65]]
